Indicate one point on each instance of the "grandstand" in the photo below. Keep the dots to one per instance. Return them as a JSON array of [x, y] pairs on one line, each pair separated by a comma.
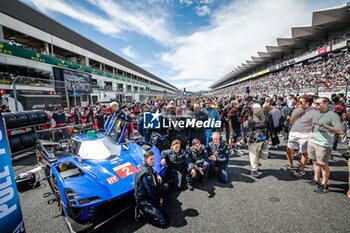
[[43, 58], [315, 59]]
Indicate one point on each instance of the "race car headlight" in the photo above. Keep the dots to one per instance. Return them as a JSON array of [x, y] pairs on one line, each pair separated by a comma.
[[71, 196], [84, 201]]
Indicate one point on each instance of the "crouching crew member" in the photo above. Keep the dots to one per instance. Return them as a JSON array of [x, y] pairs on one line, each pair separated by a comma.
[[148, 188], [199, 165], [177, 161], [218, 156]]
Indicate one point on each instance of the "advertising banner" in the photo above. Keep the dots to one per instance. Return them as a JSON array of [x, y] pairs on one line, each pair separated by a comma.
[[11, 219], [77, 82], [339, 45]]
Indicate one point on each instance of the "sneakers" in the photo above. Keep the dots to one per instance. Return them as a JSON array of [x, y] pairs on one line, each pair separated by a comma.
[[313, 182], [190, 187], [348, 194], [321, 189], [299, 173], [288, 168], [254, 174], [240, 152], [137, 214]]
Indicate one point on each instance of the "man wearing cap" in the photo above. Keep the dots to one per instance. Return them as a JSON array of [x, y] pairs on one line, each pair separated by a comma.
[[198, 161]]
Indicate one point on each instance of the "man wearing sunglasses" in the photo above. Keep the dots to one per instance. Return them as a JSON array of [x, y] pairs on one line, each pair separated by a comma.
[[325, 124]]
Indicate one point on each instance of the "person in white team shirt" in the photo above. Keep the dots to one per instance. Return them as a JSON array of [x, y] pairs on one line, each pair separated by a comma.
[[299, 134]]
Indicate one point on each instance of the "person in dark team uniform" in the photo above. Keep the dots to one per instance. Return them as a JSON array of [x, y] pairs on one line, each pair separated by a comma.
[[198, 133], [198, 157], [218, 156], [148, 190], [60, 119], [177, 161]]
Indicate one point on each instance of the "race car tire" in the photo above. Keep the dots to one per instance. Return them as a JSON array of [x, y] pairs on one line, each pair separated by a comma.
[[10, 119], [33, 118], [28, 140], [22, 119], [15, 143], [43, 118]]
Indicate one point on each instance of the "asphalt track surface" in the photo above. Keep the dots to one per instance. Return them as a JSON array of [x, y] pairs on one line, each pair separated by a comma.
[[275, 202]]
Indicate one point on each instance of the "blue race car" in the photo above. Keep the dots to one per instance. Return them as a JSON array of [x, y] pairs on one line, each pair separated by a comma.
[[98, 172]]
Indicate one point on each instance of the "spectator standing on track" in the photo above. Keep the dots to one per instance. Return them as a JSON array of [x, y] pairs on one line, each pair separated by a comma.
[[213, 115], [299, 134], [276, 116], [325, 124], [256, 128]]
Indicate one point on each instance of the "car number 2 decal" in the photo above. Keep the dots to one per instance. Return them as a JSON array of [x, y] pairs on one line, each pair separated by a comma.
[[125, 170]]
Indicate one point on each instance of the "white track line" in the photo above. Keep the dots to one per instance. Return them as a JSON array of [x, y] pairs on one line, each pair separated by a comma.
[[35, 169]]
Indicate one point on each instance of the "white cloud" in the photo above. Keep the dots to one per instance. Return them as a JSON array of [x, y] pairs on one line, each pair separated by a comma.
[[117, 18], [195, 85], [202, 10], [206, 1], [237, 31], [128, 52], [186, 2]]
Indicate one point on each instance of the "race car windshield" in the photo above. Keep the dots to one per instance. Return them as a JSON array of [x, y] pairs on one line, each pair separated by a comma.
[[100, 149], [116, 131]]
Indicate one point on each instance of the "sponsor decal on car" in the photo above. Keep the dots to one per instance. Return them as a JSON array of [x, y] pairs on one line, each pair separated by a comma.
[[112, 180], [125, 170]]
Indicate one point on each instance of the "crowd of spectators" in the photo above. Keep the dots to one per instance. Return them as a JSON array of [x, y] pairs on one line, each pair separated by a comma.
[[320, 75]]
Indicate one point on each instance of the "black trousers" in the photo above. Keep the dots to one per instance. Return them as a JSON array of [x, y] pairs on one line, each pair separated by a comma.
[[153, 212]]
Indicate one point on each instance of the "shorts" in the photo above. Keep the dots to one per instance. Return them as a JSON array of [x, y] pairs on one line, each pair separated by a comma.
[[297, 143], [320, 154], [237, 133]]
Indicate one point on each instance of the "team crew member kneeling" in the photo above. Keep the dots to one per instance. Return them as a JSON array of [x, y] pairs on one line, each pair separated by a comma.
[[218, 152], [148, 187], [177, 161], [199, 165]]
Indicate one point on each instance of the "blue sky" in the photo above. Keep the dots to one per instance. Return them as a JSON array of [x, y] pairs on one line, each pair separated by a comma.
[[189, 43]]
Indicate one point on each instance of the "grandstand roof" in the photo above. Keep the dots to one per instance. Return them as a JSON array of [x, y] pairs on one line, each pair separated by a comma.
[[24, 13], [323, 23]]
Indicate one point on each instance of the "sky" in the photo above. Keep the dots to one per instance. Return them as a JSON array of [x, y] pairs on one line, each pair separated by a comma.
[[188, 43]]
